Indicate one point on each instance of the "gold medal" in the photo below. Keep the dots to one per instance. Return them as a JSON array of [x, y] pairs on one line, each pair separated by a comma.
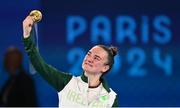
[[36, 15]]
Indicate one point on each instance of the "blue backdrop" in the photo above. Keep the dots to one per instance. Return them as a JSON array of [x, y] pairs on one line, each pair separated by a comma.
[[146, 71]]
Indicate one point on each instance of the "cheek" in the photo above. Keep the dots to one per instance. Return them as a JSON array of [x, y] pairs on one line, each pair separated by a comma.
[[97, 65], [85, 58], [83, 61]]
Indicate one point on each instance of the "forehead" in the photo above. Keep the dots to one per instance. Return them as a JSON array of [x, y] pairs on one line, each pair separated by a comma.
[[98, 51]]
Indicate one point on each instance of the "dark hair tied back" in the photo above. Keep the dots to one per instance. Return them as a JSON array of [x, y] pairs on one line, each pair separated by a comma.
[[114, 50]]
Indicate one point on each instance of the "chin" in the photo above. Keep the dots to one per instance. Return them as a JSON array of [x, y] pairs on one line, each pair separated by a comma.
[[85, 68]]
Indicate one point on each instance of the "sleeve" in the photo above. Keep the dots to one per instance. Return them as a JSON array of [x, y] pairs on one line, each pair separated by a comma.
[[54, 77], [115, 104]]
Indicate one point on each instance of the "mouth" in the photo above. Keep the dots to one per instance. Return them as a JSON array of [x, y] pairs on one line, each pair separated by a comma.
[[88, 64]]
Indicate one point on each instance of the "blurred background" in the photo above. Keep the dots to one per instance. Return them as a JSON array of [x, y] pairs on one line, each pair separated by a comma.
[[146, 70]]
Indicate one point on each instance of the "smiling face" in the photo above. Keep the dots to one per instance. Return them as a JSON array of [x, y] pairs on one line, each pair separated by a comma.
[[95, 61]]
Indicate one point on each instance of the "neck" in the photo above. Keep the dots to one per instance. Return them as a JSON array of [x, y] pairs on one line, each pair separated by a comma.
[[93, 80]]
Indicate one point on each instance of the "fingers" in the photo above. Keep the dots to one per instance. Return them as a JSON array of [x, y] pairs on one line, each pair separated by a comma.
[[27, 26], [28, 22]]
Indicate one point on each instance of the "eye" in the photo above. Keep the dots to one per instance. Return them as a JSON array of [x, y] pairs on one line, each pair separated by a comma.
[[88, 54], [96, 58]]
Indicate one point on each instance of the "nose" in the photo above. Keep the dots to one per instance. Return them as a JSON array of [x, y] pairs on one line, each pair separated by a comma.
[[89, 59]]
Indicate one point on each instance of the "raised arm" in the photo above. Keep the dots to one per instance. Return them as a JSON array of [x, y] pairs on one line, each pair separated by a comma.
[[54, 77]]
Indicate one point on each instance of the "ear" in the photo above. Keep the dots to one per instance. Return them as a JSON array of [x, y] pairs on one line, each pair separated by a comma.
[[106, 67]]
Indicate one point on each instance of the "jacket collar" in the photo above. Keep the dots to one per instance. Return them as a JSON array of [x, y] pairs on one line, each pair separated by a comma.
[[104, 83]]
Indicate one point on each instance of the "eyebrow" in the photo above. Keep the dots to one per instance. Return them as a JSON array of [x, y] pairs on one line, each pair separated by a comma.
[[98, 57], [95, 55], [89, 52]]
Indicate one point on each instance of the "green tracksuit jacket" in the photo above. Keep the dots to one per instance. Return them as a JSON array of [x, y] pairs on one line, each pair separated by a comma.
[[72, 91]]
